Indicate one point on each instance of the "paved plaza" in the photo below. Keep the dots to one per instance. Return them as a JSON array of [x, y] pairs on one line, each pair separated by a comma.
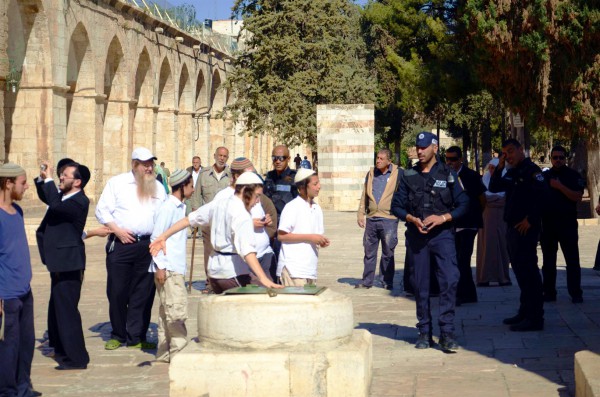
[[492, 361]]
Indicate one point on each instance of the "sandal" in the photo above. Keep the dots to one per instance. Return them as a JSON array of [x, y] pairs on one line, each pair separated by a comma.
[[112, 344], [143, 345]]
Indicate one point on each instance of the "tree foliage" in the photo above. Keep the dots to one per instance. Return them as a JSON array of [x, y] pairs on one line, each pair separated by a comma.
[[300, 53], [542, 57]]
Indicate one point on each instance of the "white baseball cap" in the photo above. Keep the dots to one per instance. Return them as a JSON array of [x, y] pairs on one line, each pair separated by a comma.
[[142, 154]]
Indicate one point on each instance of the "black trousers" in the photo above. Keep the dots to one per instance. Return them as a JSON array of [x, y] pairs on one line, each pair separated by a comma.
[[16, 350], [130, 289], [64, 321], [524, 261], [466, 290], [565, 234]]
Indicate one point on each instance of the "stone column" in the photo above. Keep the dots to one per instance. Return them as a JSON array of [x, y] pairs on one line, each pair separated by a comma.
[[346, 146]]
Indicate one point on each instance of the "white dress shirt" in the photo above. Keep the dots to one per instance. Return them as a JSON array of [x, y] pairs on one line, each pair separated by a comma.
[[232, 232], [171, 211], [203, 215], [119, 203]]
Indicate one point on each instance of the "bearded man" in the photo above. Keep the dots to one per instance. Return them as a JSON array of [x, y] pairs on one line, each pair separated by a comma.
[[127, 206]]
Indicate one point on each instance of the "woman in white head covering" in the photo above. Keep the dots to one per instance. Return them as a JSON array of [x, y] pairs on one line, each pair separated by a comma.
[[492, 251]]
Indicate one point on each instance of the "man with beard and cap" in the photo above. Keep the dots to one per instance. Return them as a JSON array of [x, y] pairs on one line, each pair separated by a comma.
[[430, 199], [64, 256], [559, 225], [128, 206], [17, 333]]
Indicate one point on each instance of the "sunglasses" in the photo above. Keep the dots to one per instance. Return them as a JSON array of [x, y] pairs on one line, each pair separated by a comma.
[[451, 159], [278, 158], [558, 157]]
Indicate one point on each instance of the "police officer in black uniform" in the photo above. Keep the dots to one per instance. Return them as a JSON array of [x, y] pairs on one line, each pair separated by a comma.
[[279, 185], [429, 198], [559, 225], [525, 189]]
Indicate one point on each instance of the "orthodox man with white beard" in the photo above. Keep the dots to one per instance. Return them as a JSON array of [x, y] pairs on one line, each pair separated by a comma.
[[128, 206]]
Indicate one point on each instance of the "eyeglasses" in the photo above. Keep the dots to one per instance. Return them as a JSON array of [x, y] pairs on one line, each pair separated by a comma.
[[278, 158], [451, 159], [558, 157]]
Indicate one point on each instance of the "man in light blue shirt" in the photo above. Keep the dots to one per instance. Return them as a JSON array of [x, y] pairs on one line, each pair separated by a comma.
[[169, 270]]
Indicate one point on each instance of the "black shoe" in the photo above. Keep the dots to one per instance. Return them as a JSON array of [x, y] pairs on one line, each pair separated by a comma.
[[388, 287], [549, 298], [513, 320], [528, 325], [486, 284], [424, 342], [506, 284], [362, 286], [577, 299], [68, 367], [448, 343]]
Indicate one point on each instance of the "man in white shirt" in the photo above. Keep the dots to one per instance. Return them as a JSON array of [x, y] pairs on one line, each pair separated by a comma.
[[301, 233], [127, 206], [169, 271], [195, 201]]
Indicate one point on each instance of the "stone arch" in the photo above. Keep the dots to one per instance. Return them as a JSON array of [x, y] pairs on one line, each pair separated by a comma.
[[217, 94], [165, 122], [201, 120], [116, 111], [185, 123], [143, 124], [81, 99], [28, 115]]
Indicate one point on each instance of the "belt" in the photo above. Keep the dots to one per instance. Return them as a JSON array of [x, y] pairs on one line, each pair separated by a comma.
[[137, 238], [225, 253]]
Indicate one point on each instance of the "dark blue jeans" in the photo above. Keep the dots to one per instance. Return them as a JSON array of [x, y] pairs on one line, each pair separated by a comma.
[[420, 250], [16, 350], [386, 231]]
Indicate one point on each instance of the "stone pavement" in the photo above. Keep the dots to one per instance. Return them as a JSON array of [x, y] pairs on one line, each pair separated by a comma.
[[492, 362]]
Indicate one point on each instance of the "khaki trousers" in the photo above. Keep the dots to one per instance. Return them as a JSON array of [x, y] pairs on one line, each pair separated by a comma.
[[172, 313], [288, 281]]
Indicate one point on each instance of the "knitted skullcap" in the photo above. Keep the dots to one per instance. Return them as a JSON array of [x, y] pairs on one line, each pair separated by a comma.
[[178, 176], [11, 170], [241, 164]]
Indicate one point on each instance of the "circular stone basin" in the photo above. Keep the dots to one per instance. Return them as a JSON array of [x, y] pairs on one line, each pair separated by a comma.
[[284, 321]]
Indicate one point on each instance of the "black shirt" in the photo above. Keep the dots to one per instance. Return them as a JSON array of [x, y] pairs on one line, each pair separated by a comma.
[[474, 188], [559, 207], [526, 191]]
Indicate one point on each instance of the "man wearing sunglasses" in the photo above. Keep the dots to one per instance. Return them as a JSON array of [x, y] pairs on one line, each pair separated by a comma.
[[559, 225], [279, 185], [466, 227]]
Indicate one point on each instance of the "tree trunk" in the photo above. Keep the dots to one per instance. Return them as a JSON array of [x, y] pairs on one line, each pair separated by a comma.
[[592, 158], [486, 141]]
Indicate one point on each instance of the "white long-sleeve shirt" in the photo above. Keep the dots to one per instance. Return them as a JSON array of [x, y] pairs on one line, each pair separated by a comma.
[[171, 211], [119, 203]]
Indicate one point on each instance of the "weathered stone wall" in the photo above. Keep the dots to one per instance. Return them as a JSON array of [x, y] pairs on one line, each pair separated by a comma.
[[98, 80], [346, 143]]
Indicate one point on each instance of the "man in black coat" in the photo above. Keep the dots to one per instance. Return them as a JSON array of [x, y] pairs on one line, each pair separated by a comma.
[[466, 227], [63, 252]]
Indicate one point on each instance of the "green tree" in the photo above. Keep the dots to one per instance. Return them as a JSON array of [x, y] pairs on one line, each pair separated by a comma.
[[420, 68], [542, 58], [300, 53]]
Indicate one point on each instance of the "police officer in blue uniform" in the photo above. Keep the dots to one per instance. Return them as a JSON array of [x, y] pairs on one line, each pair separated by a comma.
[[559, 225], [525, 194], [429, 198]]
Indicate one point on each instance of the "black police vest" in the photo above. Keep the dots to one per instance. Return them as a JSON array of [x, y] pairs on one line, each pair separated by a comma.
[[431, 194]]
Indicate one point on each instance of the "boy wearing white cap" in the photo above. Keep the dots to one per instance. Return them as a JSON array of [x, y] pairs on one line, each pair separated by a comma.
[[301, 233], [169, 271]]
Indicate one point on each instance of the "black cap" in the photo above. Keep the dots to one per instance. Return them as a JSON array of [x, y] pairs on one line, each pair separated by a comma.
[[85, 175], [61, 163]]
